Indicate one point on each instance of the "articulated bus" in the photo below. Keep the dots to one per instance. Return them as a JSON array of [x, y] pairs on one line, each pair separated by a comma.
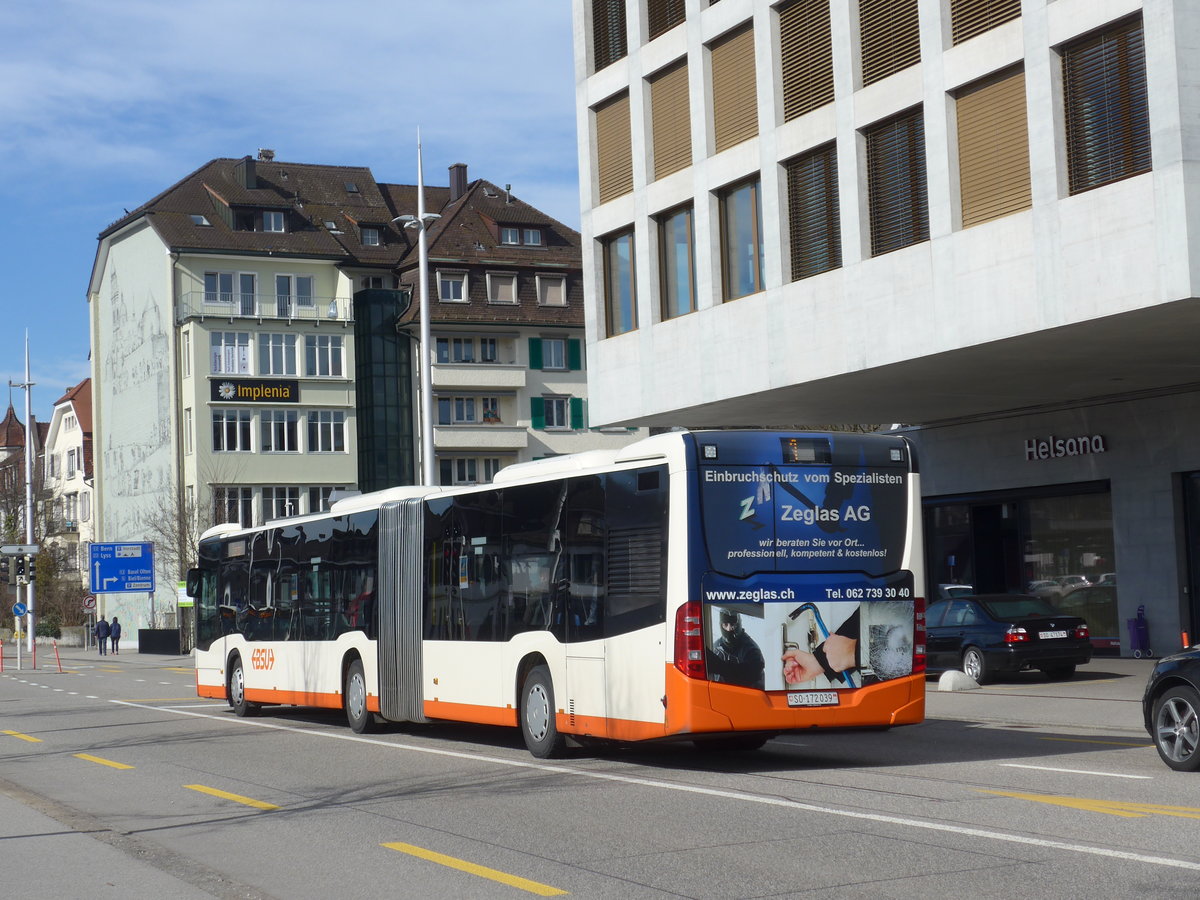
[[722, 587]]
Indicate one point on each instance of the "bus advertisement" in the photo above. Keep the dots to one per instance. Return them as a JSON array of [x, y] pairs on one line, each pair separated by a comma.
[[722, 587]]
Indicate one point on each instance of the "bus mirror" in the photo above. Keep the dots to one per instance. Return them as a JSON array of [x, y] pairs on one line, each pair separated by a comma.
[[193, 583]]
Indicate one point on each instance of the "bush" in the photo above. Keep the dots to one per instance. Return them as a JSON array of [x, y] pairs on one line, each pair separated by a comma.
[[49, 627]]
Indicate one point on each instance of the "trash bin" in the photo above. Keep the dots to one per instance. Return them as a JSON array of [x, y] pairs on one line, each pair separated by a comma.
[[1139, 635]]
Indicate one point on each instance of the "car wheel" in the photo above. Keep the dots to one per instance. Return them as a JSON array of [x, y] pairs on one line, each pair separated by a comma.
[[975, 665], [537, 715], [1059, 673], [1177, 728], [237, 691], [355, 696]]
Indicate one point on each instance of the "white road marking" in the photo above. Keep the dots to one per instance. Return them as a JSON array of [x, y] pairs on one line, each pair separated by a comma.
[[1078, 771], [1106, 852]]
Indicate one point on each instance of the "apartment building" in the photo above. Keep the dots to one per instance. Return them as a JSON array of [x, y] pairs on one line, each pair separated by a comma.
[[68, 479], [227, 359], [975, 217]]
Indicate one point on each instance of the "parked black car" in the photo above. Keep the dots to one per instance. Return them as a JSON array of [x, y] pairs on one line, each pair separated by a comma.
[[1171, 708], [988, 634]]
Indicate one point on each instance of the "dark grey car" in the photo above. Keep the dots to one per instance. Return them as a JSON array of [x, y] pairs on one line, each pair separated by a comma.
[[1171, 709]]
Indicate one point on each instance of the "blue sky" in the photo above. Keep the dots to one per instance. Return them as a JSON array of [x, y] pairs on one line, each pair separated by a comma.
[[105, 104]]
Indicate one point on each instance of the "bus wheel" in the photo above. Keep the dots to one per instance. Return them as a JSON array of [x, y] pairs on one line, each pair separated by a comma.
[[237, 691], [537, 716], [360, 720]]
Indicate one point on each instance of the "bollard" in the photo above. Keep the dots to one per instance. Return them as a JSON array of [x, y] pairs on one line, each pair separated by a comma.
[[57, 657]]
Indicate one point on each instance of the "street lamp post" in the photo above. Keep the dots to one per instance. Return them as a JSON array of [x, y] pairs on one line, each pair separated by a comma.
[[421, 222]]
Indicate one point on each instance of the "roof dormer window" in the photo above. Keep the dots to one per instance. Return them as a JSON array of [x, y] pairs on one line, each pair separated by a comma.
[[200, 220], [513, 236], [370, 237], [272, 221]]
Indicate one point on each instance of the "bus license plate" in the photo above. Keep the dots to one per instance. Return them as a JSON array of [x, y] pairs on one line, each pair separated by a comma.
[[812, 698], [1050, 635]]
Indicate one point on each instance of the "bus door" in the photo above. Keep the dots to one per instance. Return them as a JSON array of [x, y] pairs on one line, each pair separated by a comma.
[[579, 576]]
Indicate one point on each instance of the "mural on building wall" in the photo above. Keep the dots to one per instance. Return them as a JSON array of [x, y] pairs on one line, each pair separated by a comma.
[[137, 434]]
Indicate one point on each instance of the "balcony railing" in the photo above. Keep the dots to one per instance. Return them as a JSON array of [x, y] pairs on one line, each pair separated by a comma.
[[261, 307]]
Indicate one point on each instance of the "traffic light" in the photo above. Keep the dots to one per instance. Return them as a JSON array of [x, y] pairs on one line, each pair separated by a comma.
[[31, 568], [6, 570], [20, 569]]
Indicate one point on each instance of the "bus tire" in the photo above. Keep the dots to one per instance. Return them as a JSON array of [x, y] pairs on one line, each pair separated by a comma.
[[242, 707], [361, 721], [538, 727]]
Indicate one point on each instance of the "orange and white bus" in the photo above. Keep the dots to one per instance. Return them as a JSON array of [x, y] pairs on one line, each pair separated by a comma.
[[715, 586]]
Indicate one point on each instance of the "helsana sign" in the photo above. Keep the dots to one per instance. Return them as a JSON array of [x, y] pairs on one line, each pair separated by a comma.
[[1053, 447]]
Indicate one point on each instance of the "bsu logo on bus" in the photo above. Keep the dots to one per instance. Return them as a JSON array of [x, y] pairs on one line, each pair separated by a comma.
[[263, 658]]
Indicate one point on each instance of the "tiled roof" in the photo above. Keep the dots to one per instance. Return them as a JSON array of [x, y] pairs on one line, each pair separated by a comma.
[[316, 197], [12, 431]]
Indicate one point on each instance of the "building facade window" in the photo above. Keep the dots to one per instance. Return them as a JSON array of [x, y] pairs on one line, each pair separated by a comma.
[[896, 183], [218, 287], [741, 240], [280, 501], [233, 505], [230, 352], [187, 432], [231, 430], [889, 36], [501, 287], [185, 354], [488, 351], [814, 226], [72, 462], [1107, 111], [319, 497], [277, 354], [293, 292], [280, 431], [971, 17], [552, 289], [555, 353], [489, 410], [452, 287], [734, 89], [993, 149], [467, 470], [663, 15], [608, 33], [805, 57], [323, 356], [620, 290], [551, 412], [614, 148], [670, 120], [677, 262], [326, 431]]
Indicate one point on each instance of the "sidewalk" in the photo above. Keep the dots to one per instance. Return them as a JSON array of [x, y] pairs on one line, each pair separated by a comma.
[[48, 661], [1105, 696]]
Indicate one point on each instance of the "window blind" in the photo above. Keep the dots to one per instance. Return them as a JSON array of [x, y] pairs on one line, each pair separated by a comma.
[[614, 154], [993, 149], [735, 109], [896, 183], [814, 225], [889, 37], [805, 56], [671, 120]]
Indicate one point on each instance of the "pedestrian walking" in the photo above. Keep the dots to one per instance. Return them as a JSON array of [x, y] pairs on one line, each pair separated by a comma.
[[114, 634], [102, 632]]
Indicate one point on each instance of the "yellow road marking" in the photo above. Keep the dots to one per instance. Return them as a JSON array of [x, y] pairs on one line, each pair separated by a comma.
[[103, 762], [237, 798], [174, 669], [1109, 807], [24, 737], [1095, 741], [533, 887]]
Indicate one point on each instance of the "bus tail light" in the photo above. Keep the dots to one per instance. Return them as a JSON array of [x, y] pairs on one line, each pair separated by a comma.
[[689, 641], [1015, 635], [918, 661]]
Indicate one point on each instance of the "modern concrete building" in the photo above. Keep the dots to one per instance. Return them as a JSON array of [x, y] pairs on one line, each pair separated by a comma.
[[227, 359], [978, 217]]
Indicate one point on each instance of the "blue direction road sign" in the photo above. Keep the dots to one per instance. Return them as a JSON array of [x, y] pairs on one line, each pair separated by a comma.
[[19, 609], [122, 568]]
